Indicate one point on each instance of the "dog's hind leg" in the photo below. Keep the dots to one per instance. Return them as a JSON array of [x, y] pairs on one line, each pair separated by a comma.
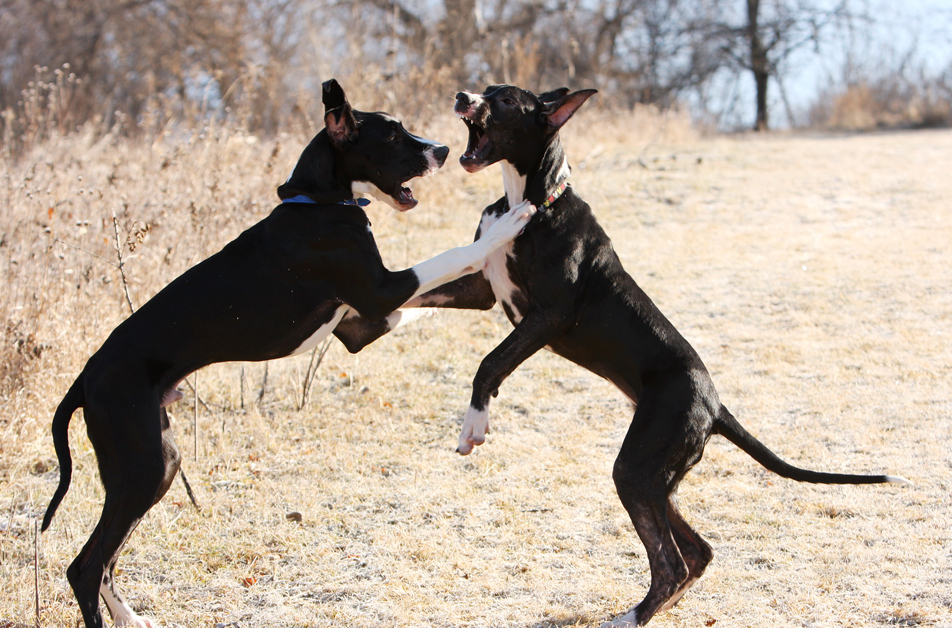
[[120, 611], [137, 463], [669, 571], [694, 549], [665, 439]]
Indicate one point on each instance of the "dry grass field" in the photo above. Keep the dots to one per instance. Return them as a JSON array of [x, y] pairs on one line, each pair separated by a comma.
[[811, 272]]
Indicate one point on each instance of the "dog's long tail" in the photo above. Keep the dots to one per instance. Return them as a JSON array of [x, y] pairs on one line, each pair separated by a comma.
[[726, 425], [69, 404]]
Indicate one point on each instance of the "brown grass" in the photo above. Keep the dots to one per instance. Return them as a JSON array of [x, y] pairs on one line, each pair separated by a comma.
[[811, 273], [889, 103]]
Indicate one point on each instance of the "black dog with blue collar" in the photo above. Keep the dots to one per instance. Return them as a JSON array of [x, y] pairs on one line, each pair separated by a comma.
[[311, 268]]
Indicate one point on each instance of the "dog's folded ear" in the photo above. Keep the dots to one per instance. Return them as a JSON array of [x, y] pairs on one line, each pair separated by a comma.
[[338, 115], [558, 112]]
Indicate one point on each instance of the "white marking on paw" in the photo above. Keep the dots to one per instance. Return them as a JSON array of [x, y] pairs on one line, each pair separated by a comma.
[[507, 227], [122, 615], [475, 428], [464, 260], [628, 620]]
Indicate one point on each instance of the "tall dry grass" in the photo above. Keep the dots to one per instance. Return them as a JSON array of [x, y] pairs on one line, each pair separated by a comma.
[[810, 272], [893, 102]]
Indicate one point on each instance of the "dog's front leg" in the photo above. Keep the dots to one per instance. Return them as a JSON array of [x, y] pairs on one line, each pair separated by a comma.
[[356, 332], [464, 260], [470, 292], [536, 330], [389, 291]]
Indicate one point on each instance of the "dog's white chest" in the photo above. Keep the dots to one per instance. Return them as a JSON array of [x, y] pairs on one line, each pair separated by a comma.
[[497, 273]]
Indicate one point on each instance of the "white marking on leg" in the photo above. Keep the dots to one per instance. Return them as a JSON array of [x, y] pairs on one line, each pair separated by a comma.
[[628, 620], [399, 318], [475, 428], [322, 332], [433, 299], [122, 615]]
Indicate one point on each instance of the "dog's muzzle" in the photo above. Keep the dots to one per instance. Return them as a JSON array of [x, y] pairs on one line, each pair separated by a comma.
[[466, 104]]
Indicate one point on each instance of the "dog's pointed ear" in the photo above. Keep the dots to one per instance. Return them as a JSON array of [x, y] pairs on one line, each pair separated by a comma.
[[555, 94], [558, 112], [338, 115]]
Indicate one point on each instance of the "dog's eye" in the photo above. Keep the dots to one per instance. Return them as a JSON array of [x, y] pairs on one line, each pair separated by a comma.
[[392, 137], [508, 101]]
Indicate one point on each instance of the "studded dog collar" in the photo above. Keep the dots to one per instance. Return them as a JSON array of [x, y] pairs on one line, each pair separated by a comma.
[[555, 195]]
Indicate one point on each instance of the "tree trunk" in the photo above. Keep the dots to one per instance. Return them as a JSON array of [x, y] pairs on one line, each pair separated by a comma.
[[759, 64], [458, 33]]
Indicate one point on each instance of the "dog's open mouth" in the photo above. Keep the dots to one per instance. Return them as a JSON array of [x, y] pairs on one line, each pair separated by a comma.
[[477, 149], [404, 198], [400, 197]]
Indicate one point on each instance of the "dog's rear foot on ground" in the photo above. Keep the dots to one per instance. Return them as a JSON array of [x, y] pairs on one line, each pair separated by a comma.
[[136, 621], [628, 620]]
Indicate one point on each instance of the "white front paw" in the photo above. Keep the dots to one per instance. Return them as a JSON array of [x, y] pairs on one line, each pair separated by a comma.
[[475, 428], [511, 225]]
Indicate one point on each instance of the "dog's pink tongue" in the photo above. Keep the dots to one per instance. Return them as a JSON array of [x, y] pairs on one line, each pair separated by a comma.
[[406, 198], [480, 146]]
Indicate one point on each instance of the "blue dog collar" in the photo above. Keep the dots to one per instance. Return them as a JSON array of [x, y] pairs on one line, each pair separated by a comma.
[[300, 198], [363, 202]]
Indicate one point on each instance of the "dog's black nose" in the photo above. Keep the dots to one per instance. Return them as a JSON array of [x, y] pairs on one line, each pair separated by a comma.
[[440, 153], [463, 102]]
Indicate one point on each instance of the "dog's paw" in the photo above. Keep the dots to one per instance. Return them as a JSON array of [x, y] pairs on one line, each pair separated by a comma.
[[135, 621], [522, 214], [628, 620], [475, 428], [511, 224]]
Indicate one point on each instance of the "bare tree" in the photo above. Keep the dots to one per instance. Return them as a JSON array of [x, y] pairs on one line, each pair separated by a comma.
[[263, 58], [763, 37]]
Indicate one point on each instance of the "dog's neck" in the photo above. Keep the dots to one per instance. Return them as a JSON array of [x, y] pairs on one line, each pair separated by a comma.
[[539, 182], [514, 183], [310, 175]]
